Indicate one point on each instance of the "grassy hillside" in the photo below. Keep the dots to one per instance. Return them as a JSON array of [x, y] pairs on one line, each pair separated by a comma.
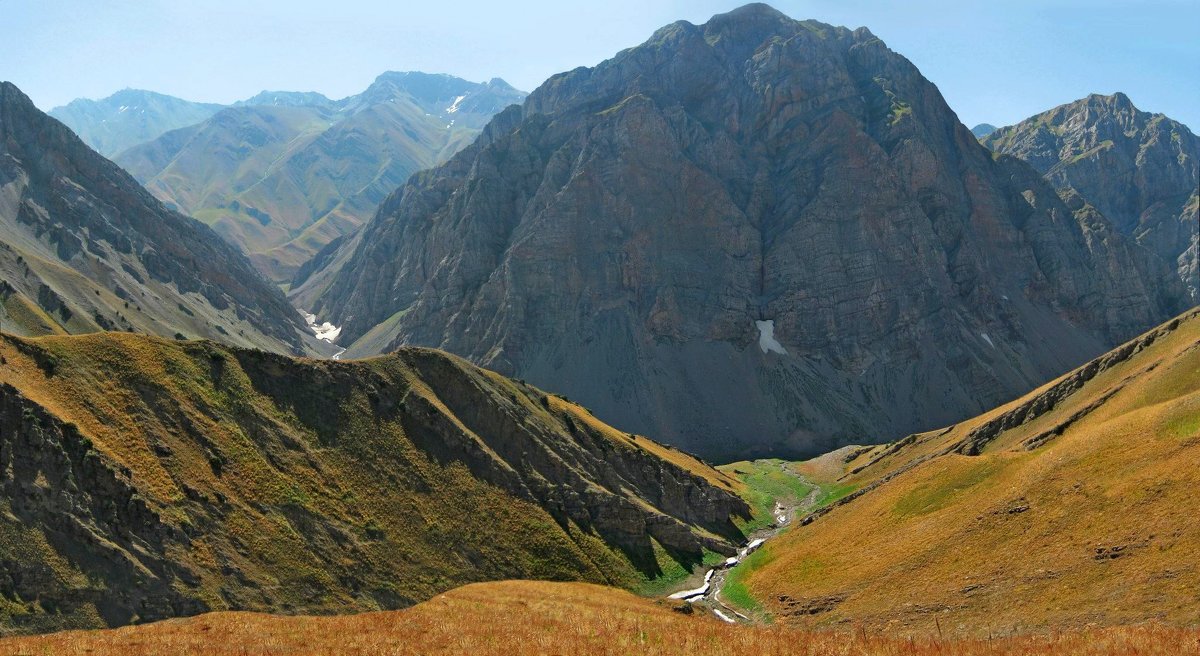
[[1071, 506], [521, 617], [143, 478]]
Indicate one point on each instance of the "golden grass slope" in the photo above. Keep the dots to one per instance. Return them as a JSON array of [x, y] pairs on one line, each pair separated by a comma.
[[1079, 509], [143, 478], [513, 618]]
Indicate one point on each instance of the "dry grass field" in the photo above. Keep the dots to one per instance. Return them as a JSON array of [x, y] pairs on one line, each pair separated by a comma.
[[513, 618]]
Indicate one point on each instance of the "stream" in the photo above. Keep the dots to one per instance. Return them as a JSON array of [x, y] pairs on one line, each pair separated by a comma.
[[709, 595]]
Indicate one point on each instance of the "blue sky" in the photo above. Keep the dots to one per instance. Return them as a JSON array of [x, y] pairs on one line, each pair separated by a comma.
[[995, 62]]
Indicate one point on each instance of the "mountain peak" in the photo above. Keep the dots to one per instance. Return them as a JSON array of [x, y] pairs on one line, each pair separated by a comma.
[[13, 102], [752, 20], [499, 83], [756, 10], [742, 148], [1117, 100]]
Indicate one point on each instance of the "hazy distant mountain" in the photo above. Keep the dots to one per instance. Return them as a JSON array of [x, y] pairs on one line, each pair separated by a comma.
[[983, 129], [288, 99], [1136, 168], [84, 248], [756, 235], [283, 174], [128, 118]]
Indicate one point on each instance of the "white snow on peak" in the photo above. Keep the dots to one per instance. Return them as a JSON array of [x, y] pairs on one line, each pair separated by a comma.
[[987, 339], [454, 105], [123, 108], [324, 331], [766, 337]]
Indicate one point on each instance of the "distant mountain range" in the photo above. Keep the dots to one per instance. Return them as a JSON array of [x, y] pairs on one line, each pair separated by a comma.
[[129, 117], [756, 235], [983, 129], [1137, 169], [83, 248], [283, 173]]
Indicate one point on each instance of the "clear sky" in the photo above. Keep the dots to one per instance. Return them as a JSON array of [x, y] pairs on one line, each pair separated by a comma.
[[996, 62]]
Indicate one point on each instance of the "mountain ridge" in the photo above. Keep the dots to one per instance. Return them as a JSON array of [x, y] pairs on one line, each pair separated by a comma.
[[146, 478], [85, 248]]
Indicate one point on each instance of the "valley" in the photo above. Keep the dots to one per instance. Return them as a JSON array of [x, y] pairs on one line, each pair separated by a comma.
[[730, 337]]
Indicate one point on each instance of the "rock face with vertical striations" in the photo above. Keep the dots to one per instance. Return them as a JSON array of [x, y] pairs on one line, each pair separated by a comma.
[[630, 233], [1136, 168], [84, 248]]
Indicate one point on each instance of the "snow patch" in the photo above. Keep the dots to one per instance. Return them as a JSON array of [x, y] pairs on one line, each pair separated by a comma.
[[987, 339], [766, 337], [688, 594], [724, 617], [454, 105], [324, 331], [123, 108]]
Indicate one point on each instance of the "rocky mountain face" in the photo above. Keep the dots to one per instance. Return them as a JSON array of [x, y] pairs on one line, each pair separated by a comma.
[[129, 117], [1136, 168], [83, 248], [143, 478], [283, 174], [752, 235]]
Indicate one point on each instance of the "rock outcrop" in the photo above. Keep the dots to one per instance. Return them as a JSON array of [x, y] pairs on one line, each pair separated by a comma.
[[83, 248], [630, 233], [1136, 168]]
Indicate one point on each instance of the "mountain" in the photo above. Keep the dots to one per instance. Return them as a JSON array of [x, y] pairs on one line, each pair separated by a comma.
[[145, 478], [512, 618], [129, 117], [756, 235], [1136, 168], [84, 248], [283, 174], [983, 129], [287, 99], [1073, 505]]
